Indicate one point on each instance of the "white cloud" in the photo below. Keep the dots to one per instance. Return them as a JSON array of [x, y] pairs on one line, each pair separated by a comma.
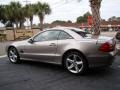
[[110, 8]]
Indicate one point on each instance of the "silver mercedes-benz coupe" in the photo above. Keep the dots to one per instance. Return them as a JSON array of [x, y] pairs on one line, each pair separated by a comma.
[[73, 48]]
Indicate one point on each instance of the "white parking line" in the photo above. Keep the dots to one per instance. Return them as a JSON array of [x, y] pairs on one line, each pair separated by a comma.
[[3, 56]]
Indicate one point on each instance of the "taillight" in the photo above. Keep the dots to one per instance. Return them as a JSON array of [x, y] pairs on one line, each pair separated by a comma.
[[106, 47]]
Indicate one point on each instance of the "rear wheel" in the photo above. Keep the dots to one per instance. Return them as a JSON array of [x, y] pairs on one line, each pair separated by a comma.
[[75, 63], [13, 55]]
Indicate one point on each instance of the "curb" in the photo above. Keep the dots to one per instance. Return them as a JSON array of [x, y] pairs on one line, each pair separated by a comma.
[[3, 56]]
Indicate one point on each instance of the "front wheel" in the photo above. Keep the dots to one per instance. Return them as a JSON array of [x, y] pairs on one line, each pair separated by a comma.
[[75, 63], [13, 55]]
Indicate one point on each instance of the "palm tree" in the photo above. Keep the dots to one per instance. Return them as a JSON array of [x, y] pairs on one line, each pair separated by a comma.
[[95, 8], [8, 15], [1, 8], [29, 11], [13, 14], [22, 17], [16, 10], [3, 15], [42, 9]]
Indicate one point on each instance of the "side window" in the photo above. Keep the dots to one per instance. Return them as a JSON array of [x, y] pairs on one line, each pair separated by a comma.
[[64, 35], [47, 36]]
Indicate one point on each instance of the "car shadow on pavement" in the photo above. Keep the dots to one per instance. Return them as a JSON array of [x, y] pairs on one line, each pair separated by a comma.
[[100, 72], [41, 64]]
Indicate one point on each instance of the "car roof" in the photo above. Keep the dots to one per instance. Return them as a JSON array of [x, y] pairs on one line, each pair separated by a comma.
[[66, 29], [69, 28]]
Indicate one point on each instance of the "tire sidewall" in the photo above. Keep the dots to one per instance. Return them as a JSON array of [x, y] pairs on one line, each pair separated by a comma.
[[85, 65], [18, 58]]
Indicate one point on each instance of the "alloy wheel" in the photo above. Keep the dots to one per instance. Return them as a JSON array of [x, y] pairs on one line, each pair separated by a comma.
[[74, 63], [13, 55]]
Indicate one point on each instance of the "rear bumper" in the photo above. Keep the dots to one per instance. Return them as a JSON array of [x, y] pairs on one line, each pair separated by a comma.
[[100, 60]]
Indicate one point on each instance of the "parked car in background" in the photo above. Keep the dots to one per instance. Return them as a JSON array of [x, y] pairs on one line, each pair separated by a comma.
[[73, 48]]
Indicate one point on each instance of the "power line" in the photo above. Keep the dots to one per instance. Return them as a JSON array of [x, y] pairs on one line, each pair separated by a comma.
[[63, 4]]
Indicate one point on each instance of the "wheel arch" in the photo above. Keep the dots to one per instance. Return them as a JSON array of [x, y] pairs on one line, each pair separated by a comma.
[[11, 46], [74, 50]]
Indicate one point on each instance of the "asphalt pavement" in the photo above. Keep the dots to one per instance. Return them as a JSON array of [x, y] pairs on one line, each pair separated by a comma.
[[39, 76]]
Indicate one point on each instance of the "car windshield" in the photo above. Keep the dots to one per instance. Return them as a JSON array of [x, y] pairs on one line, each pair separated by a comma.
[[82, 33]]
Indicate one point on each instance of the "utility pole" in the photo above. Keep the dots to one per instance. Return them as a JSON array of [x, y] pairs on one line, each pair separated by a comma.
[[26, 1]]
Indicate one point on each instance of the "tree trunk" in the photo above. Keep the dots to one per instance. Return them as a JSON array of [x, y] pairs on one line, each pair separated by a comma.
[[95, 8], [41, 18], [21, 23], [14, 31], [31, 21], [16, 24]]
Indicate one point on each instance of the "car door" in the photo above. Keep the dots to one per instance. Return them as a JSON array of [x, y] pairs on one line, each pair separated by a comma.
[[64, 41], [44, 46]]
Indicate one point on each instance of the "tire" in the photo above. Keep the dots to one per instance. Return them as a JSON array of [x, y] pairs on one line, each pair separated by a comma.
[[75, 63], [13, 55]]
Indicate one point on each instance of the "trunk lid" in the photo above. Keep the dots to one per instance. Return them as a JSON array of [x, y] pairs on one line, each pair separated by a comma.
[[101, 38], [105, 38], [104, 42]]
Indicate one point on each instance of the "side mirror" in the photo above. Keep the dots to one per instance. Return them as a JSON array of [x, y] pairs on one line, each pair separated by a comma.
[[30, 41], [118, 36]]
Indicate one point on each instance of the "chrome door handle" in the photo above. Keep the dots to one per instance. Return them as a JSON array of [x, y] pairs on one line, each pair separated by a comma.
[[52, 44]]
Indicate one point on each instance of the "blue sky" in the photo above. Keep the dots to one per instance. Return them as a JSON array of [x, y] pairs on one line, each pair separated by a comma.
[[71, 9]]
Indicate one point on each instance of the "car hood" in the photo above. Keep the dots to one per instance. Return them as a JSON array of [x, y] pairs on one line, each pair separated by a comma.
[[19, 43]]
